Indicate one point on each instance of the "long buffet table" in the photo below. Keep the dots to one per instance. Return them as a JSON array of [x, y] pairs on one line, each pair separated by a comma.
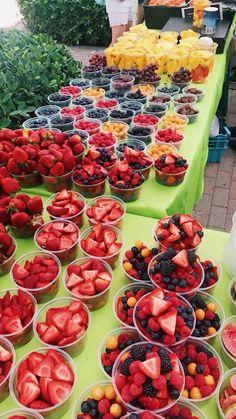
[[134, 228]]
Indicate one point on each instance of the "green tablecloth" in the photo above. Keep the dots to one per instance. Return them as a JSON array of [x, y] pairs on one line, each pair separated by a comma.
[[134, 228]]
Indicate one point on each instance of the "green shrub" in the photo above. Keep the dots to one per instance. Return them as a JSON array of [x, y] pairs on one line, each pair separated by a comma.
[[72, 22], [31, 67]]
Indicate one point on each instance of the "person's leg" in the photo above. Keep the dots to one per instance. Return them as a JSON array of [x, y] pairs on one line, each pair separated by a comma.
[[140, 14], [129, 24], [118, 14], [116, 31]]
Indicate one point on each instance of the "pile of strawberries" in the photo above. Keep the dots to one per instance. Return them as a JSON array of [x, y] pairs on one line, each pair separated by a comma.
[[17, 311], [7, 245], [171, 163], [5, 362], [56, 160], [66, 204], [23, 160]]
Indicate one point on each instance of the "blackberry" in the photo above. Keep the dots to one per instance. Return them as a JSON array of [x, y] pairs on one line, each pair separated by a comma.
[[165, 361], [149, 390], [191, 256], [85, 408], [167, 267], [198, 303], [200, 348], [138, 353], [203, 330], [141, 266], [125, 366], [169, 254]]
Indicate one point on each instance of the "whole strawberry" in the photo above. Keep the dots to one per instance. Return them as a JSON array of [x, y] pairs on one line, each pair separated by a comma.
[[23, 160], [7, 248], [56, 160]]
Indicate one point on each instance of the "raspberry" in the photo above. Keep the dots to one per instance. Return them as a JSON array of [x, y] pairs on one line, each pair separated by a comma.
[[154, 326], [169, 340], [206, 390], [103, 406], [199, 380], [112, 356], [215, 374], [189, 382], [150, 403], [140, 378], [159, 383], [174, 411], [123, 337], [120, 382], [185, 413], [209, 315], [175, 302], [192, 354], [135, 390], [134, 367], [202, 359], [176, 380], [185, 331], [212, 362], [125, 393], [146, 415], [206, 370], [180, 321]]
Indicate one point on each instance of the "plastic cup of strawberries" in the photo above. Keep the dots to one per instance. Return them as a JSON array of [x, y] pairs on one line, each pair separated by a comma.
[[102, 241], [38, 273], [17, 326], [92, 126], [67, 205], [23, 165], [159, 382], [89, 280], [106, 209], [175, 271], [59, 237], [22, 413], [139, 161], [203, 371], [63, 323], [125, 300], [112, 345], [8, 252], [7, 361], [164, 318], [48, 395], [170, 169], [186, 408]]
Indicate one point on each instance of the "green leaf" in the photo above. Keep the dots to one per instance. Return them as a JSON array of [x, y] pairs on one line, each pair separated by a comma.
[[4, 123]]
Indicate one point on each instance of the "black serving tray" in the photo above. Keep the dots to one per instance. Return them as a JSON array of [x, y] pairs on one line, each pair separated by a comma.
[[222, 28], [157, 16]]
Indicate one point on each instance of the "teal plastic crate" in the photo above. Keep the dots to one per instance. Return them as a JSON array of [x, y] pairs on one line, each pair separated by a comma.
[[218, 144]]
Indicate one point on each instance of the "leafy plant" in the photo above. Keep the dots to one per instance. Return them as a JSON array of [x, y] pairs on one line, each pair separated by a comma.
[[72, 22], [31, 67]]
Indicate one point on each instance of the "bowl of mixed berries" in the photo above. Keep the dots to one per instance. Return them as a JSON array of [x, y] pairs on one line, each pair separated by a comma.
[[125, 182], [184, 410], [135, 261], [89, 179], [138, 160], [170, 169], [212, 271]]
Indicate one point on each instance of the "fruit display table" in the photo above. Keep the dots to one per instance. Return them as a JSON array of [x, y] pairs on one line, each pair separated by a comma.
[[103, 319]]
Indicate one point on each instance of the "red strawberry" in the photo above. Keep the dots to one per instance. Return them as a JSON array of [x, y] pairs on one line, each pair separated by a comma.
[[56, 211], [10, 185], [5, 240], [44, 368], [57, 169], [20, 219], [151, 367], [53, 244], [100, 284], [16, 205], [87, 288], [47, 160], [158, 305], [11, 324], [168, 321], [35, 205], [62, 372], [68, 161], [188, 228], [58, 391], [51, 335], [29, 392], [13, 167], [5, 355], [181, 259], [20, 155]]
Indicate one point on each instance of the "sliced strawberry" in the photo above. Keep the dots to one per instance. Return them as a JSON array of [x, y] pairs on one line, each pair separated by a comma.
[[51, 335], [56, 211], [60, 317], [174, 229], [158, 292], [100, 285], [64, 194], [11, 324], [72, 328], [158, 306], [55, 356], [173, 237], [196, 240], [90, 275], [25, 376], [67, 340], [66, 243], [151, 367], [114, 248], [44, 368], [29, 392], [70, 228], [90, 245], [5, 355], [57, 226], [99, 213], [185, 219], [98, 230], [43, 383], [63, 372], [34, 359], [105, 275], [87, 288], [109, 237], [115, 214], [169, 159], [168, 321], [181, 259], [75, 307], [58, 391], [19, 272], [73, 280], [188, 228], [39, 404]]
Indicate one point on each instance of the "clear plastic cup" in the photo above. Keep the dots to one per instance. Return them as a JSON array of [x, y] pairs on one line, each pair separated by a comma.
[[122, 83], [103, 82], [194, 409], [100, 104], [28, 181], [133, 334], [90, 74], [75, 91], [110, 259], [52, 411], [154, 416], [68, 111], [189, 294], [226, 356], [65, 256], [161, 149], [121, 292], [220, 311], [111, 94], [104, 112], [232, 294], [165, 123], [5, 267], [146, 139], [35, 123], [126, 274], [127, 120], [133, 105], [28, 414], [83, 125], [63, 123], [90, 191], [118, 128], [78, 218], [192, 117], [129, 96], [203, 256], [127, 195], [96, 301], [47, 110], [156, 109], [26, 333], [26, 231], [145, 88], [104, 73], [73, 348], [145, 336], [4, 385], [94, 93], [134, 144], [83, 135], [224, 383], [57, 183], [169, 179], [216, 355], [161, 98], [116, 371], [146, 170], [176, 145], [80, 101], [46, 292], [199, 93], [179, 84], [190, 98], [170, 90], [80, 82], [65, 99], [116, 223]]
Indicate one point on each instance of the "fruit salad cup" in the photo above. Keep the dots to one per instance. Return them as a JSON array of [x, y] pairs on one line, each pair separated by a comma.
[[59, 99], [130, 190], [207, 364], [137, 96], [209, 317], [174, 121], [7, 361], [106, 209], [148, 120], [226, 395], [109, 104], [188, 110], [184, 98], [89, 280], [57, 183], [168, 89], [59, 237], [156, 150], [94, 93], [63, 323], [212, 271], [29, 274], [103, 397], [170, 169], [77, 111], [92, 126], [142, 132], [169, 323], [67, 205], [84, 181], [102, 242], [169, 136], [18, 326], [157, 365], [184, 408], [21, 413], [33, 394], [112, 345], [119, 129], [200, 64], [125, 300], [227, 341], [199, 6], [134, 144], [5, 266], [179, 272], [135, 260]]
